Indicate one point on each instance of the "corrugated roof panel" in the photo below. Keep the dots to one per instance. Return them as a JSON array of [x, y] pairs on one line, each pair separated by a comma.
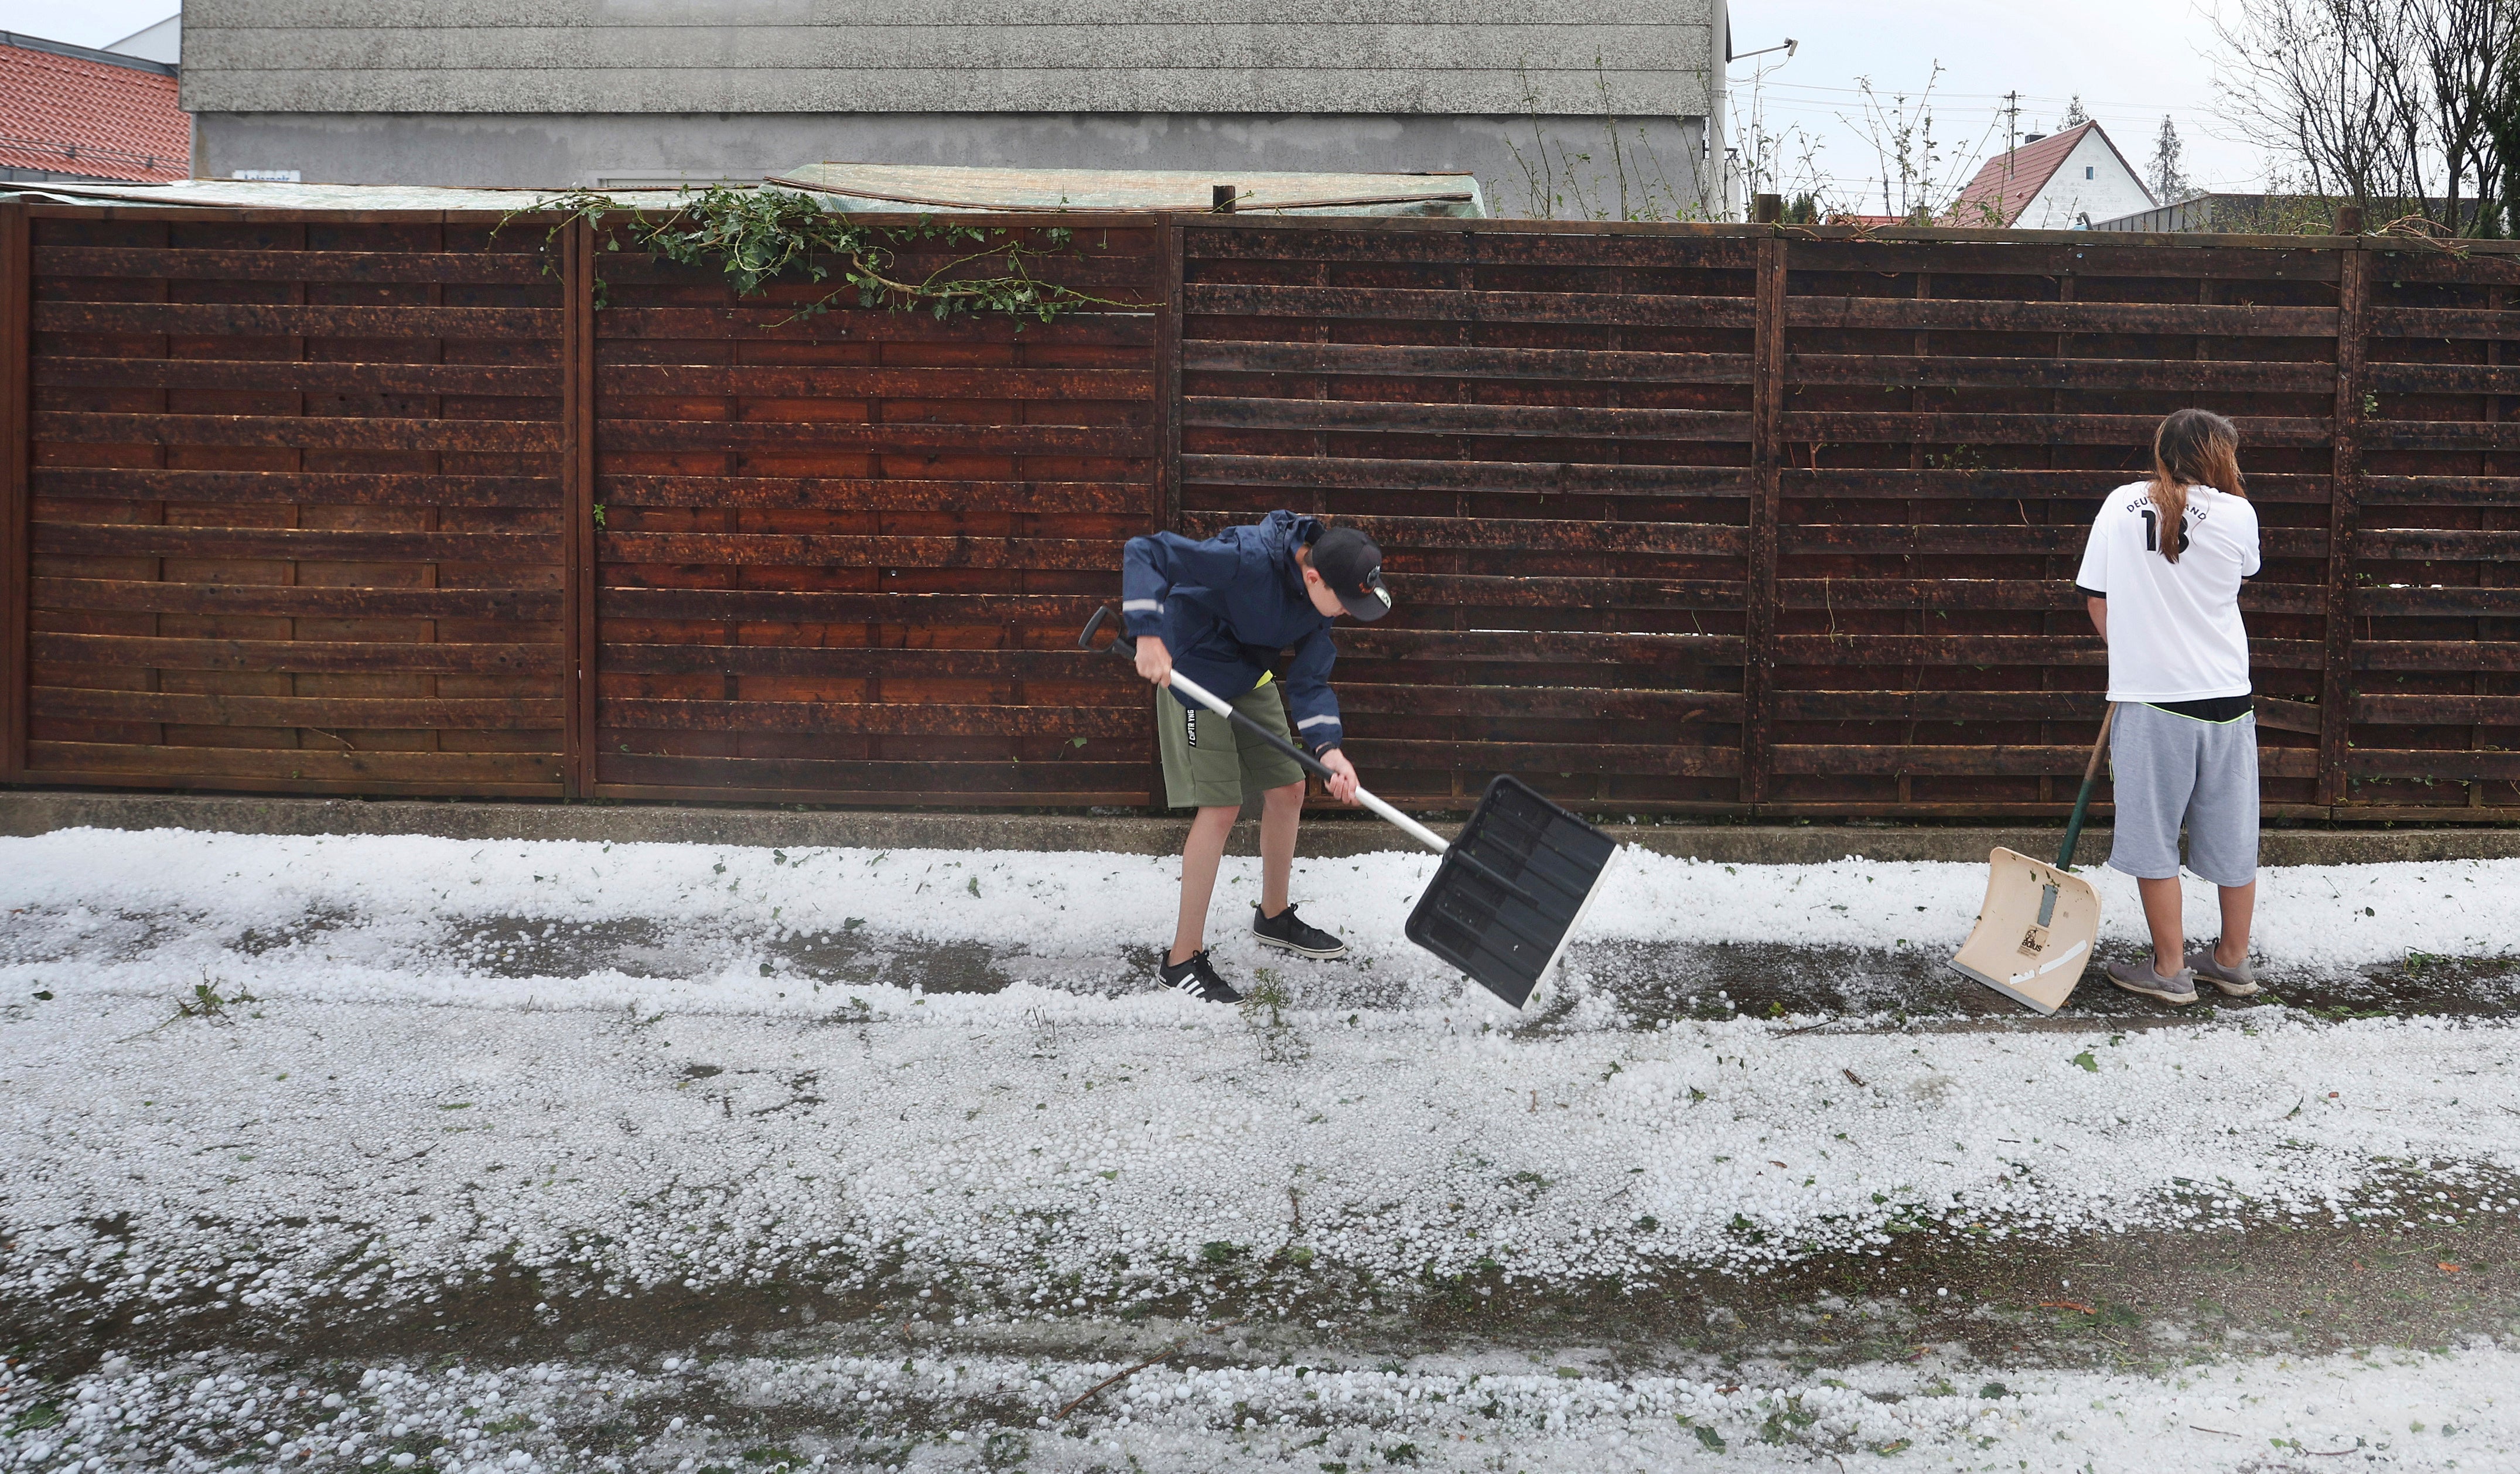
[[874, 188], [264, 194], [937, 187]]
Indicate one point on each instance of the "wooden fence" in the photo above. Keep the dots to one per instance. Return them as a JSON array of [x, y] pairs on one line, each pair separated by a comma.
[[843, 559], [1683, 519], [293, 502]]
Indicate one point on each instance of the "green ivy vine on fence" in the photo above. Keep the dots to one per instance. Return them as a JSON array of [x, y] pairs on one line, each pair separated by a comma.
[[754, 236]]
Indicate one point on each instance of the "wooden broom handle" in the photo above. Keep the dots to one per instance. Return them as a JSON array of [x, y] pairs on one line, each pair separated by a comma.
[[2099, 747]]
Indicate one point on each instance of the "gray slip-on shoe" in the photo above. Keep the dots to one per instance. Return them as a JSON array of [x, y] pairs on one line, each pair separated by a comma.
[[2235, 982], [2139, 977]]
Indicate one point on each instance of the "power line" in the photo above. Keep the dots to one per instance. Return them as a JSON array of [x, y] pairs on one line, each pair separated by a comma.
[[1992, 97], [2103, 110], [1832, 105]]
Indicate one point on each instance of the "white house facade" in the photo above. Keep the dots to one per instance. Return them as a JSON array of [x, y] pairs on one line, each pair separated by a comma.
[[2059, 181], [2092, 184]]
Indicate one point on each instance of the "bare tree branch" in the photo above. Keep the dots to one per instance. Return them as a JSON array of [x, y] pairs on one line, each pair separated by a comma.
[[2397, 106]]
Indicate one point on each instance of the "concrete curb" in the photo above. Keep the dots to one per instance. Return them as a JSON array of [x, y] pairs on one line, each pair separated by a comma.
[[24, 812]]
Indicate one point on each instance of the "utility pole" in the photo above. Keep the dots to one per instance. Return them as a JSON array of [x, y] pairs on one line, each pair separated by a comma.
[[2011, 129]]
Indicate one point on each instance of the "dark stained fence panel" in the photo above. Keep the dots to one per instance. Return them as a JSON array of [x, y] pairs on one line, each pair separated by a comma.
[[2433, 685], [296, 506], [1549, 436], [1952, 416], [844, 557]]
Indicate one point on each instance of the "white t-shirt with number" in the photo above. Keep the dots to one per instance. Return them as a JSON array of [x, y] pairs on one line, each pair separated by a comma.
[[2175, 631]]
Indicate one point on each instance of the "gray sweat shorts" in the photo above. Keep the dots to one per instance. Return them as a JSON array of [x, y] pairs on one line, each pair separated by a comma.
[[2168, 770]]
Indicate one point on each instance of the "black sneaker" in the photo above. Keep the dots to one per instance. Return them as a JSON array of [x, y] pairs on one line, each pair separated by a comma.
[[1193, 977], [1285, 930]]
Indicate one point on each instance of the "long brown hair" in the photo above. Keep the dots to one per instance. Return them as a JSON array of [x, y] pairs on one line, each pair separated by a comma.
[[2192, 448]]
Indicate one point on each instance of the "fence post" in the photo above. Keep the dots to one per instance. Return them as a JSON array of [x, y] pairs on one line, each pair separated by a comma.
[[1168, 339], [1168, 471], [578, 509], [15, 533], [1767, 452], [2344, 517]]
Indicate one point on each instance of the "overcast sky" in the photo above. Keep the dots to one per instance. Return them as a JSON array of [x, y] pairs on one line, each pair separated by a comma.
[[2133, 61], [87, 22]]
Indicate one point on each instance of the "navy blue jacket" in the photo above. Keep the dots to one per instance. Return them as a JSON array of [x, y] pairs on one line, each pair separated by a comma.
[[1225, 606]]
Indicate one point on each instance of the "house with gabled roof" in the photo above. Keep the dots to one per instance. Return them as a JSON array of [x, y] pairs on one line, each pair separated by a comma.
[[2055, 181]]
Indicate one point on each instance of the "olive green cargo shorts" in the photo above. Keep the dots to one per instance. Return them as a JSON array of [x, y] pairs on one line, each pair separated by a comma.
[[1210, 765]]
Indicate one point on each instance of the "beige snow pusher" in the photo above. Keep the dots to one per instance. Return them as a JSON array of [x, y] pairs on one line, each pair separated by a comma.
[[2036, 931]]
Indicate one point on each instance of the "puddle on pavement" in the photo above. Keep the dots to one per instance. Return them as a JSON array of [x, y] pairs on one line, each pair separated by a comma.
[[2146, 1298], [257, 940], [855, 956], [830, 957], [57, 934], [2420, 984], [546, 947], [1642, 984], [1651, 982]]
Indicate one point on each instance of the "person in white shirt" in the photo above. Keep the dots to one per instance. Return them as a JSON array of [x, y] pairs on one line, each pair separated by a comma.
[[2161, 576]]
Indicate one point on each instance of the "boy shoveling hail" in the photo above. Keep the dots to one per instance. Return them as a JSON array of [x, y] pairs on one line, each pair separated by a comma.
[[1221, 610]]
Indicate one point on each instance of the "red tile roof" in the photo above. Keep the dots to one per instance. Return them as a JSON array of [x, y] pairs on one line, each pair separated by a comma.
[[70, 115], [2006, 184]]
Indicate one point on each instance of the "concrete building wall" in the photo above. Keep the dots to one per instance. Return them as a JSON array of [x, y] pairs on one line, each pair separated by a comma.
[[1566, 161], [2092, 184], [1640, 58], [1599, 111]]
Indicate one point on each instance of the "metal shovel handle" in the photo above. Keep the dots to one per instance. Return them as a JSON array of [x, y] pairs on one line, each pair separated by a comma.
[[1121, 646]]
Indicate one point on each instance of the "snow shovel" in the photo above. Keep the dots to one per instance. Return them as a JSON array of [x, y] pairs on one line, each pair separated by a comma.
[[2036, 927], [1508, 892]]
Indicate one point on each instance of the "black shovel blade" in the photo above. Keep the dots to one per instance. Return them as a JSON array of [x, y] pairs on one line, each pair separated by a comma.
[[1511, 889]]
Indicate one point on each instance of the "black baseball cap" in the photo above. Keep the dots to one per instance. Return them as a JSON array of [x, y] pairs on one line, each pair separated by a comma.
[[1349, 562]]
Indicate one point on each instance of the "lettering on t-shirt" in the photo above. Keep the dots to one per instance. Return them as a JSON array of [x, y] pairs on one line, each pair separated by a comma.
[[2195, 512], [2143, 506]]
